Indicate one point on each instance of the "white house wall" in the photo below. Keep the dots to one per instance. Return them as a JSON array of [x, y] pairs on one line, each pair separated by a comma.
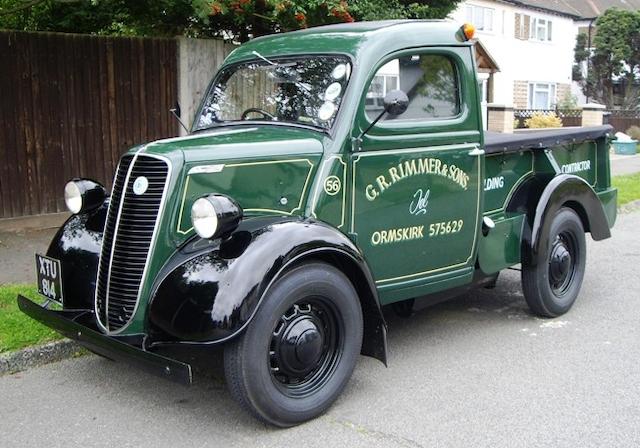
[[524, 61]]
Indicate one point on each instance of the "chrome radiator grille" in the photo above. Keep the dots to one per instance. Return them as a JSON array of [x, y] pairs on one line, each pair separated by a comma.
[[128, 236]]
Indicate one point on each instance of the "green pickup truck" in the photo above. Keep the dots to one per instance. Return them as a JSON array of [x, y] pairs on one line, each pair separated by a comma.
[[329, 172]]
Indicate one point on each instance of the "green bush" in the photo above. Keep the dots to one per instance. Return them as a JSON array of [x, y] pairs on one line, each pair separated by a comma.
[[634, 132], [568, 101], [541, 120]]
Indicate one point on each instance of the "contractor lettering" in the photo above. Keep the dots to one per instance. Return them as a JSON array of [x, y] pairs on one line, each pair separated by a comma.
[[576, 167], [397, 235], [416, 167]]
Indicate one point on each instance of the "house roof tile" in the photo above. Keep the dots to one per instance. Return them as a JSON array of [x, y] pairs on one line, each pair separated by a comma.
[[585, 9]]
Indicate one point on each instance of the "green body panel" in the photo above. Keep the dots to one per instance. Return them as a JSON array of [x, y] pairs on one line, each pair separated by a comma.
[[579, 160], [252, 185], [417, 288], [329, 203], [418, 189], [266, 170], [410, 194], [504, 173], [603, 165], [500, 248], [609, 199]]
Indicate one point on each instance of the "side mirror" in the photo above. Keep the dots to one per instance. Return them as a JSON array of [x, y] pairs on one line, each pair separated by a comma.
[[396, 102]]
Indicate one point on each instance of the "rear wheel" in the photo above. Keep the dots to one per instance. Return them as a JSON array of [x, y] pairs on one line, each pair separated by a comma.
[[552, 282], [299, 351]]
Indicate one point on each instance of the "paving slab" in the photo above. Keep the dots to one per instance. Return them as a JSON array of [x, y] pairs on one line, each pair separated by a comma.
[[621, 164], [17, 249]]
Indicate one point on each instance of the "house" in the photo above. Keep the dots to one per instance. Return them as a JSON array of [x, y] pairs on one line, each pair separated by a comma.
[[533, 43], [533, 47]]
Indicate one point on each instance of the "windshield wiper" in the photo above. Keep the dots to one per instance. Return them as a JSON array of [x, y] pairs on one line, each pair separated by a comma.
[[254, 52], [260, 122], [275, 64]]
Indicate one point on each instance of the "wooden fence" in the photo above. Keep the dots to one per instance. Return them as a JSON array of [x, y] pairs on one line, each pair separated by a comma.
[[621, 120], [71, 105], [569, 117]]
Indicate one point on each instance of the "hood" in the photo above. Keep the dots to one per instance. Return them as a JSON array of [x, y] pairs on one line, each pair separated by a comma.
[[239, 142], [266, 169]]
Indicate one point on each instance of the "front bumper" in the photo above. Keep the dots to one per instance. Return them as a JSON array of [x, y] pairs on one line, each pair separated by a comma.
[[76, 325]]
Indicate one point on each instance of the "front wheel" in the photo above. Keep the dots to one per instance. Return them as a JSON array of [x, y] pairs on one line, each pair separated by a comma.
[[299, 351], [552, 282]]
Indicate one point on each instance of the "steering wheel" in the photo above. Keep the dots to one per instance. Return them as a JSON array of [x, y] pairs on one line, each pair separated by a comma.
[[264, 113]]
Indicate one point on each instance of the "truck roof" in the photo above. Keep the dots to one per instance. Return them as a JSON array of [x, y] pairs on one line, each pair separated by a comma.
[[354, 39]]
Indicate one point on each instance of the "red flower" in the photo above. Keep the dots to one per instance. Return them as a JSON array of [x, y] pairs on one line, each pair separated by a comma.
[[236, 7], [300, 17], [342, 14]]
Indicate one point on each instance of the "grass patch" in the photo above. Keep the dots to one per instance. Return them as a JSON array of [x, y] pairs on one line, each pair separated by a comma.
[[17, 330], [628, 187]]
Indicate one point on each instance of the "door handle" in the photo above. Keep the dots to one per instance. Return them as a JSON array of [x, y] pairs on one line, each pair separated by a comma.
[[476, 152]]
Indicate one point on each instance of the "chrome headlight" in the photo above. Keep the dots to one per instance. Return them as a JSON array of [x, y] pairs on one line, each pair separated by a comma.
[[215, 215], [82, 195]]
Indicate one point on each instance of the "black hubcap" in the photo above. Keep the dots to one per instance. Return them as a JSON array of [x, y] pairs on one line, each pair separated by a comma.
[[301, 345], [562, 263], [305, 347]]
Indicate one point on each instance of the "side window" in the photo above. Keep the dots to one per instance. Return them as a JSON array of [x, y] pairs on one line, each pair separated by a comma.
[[429, 80]]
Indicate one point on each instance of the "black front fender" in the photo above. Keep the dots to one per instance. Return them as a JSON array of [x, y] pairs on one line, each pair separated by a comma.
[[209, 290], [77, 245]]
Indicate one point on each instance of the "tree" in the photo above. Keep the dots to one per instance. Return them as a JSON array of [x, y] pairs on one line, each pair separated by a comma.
[[580, 54], [614, 59], [243, 19], [238, 20], [113, 17]]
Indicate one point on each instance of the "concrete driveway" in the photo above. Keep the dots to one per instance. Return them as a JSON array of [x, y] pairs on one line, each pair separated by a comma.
[[476, 371]]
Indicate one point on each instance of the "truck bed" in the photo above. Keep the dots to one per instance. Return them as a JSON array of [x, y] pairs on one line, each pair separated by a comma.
[[495, 142]]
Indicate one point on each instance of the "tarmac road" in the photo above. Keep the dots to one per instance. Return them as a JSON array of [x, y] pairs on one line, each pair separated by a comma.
[[476, 371]]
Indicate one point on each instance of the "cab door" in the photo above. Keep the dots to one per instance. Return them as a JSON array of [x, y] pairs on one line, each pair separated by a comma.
[[416, 177]]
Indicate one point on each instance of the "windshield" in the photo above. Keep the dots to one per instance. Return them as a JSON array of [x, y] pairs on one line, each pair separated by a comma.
[[303, 90]]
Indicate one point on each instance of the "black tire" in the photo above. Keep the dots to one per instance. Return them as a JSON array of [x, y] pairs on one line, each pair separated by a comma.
[[551, 283], [283, 382]]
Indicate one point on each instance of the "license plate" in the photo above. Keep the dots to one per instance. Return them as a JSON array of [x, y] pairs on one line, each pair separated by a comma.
[[49, 273]]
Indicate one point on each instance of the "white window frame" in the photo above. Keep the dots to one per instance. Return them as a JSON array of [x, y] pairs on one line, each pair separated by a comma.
[[375, 100], [478, 15], [385, 85], [550, 88], [538, 24]]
